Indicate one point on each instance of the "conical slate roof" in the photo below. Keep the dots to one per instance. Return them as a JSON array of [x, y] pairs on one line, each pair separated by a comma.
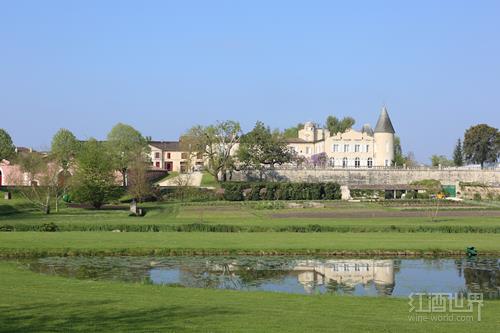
[[384, 124]]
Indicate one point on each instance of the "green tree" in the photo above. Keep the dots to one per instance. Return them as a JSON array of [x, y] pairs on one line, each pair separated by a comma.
[[7, 148], [64, 148], [335, 125], [125, 143], [261, 148], [216, 143], [94, 181], [458, 155], [292, 132], [399, 159], [441, 160], [481, 144], [63, 151]]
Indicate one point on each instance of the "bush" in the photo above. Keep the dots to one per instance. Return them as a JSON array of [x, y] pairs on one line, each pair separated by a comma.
[[234, 191], [49, 227], [477, 196], [6, 227]]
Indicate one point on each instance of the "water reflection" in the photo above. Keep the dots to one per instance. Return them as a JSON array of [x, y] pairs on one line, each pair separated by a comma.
[[363, 277]]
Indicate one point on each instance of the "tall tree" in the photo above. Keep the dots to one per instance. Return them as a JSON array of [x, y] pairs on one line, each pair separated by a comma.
[[139, 185], [261, 148], [335, 125], [7, 148], [125, 143], [458, 155], [63, 151], [64, 147], [216, 143], [481, 144], [94, 181], [399, 159]]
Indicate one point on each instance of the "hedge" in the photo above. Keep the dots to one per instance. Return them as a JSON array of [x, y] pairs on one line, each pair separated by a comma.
[[238, 191]]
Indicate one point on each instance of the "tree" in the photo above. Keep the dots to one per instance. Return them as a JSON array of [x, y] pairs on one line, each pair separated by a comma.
[[39, 173], [125, 143], [410, 160], [319, 159], [216, 143], [139, 186], [481, 144], [458, 155], [441, 160], [7, 148], [94, 181], [399, 159], [335, 125], [292, 132], [261, 148], [63, 150]]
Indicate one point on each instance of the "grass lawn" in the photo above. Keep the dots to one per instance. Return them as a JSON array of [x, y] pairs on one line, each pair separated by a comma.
[[164, 243], [208, 180], [243, 217], [32, 302]]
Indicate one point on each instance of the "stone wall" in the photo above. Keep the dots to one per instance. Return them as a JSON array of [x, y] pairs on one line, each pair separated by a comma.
[[452, 176]]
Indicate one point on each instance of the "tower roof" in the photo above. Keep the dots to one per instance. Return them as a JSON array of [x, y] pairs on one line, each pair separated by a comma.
[[384, 124]]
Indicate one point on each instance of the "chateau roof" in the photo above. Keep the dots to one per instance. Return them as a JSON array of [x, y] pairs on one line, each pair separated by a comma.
[[384, 124]]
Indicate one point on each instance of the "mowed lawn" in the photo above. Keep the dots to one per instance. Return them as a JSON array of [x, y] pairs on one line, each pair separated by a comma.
[[241, 215], [143, 243], [33, 302]]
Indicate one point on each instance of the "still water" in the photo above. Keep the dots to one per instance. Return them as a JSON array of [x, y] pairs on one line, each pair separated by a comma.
[[298, 275]]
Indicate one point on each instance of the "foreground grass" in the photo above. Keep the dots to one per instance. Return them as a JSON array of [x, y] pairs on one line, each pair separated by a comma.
[[166, 243], [38, 303]]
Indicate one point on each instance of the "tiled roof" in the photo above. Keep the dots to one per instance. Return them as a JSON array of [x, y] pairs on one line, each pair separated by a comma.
[[166, 145]]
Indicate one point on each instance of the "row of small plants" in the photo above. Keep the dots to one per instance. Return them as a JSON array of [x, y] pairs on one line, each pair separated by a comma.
[[204, 227]]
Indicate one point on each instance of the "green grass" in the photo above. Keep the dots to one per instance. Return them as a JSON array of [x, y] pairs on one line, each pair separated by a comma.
[[208, 180], [32, 302], [165, 243]]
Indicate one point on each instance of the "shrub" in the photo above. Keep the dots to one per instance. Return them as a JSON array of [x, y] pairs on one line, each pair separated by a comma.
[[6, 227], [237, 191], [477, 196], [49, 227]]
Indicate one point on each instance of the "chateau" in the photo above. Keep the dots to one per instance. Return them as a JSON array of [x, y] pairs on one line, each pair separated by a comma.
[[366, 148]]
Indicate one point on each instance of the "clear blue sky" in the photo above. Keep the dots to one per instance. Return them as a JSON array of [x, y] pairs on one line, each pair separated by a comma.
[[163, 66]]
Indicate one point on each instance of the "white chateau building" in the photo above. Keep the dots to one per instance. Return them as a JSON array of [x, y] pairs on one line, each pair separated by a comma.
[[352, 149]]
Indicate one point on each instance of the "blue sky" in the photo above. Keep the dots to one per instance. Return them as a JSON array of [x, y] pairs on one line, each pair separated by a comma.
[[163, 66]]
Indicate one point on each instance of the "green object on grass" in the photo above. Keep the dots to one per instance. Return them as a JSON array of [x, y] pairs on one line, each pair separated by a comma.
[[471, 251]]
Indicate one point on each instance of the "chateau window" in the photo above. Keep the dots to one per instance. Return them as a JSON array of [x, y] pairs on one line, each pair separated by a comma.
[[386, 162], [346, 148], [344, 162], [335, 148], [356, 267], [356, 148], [157, 155], [184, 155], [157, 164], [308, 150], [357, 162], [199, 156], [332, 162], [367, 148], [369, 163], [168, 155]]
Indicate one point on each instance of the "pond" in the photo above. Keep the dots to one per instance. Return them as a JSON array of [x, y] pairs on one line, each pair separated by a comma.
[[298, 275]]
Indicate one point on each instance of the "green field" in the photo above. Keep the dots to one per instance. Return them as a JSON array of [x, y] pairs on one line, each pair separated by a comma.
[[33, 302], [37, 303]]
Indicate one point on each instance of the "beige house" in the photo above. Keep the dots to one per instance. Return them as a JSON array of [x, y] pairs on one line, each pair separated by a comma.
[[168, 155], [366, 148]]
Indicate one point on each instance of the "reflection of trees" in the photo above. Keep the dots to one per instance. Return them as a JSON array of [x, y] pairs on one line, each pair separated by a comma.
[[483, 277]]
